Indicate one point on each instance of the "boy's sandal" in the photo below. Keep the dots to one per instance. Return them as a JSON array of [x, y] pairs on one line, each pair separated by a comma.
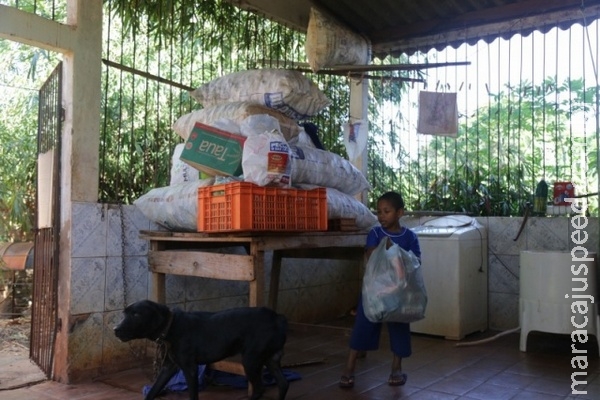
[[346, 381], [397, 379]]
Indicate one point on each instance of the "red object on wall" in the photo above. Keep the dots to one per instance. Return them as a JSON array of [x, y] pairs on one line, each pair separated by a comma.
[[562, 191]]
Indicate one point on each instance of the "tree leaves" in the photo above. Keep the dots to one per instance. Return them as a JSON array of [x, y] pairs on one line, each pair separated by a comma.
[[520, 138]]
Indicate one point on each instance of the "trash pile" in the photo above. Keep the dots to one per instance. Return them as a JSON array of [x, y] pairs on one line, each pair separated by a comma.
[[250, 128]]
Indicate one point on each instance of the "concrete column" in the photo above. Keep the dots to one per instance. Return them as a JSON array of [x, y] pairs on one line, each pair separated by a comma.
[[80, 42], [80, 149], [359, 109]]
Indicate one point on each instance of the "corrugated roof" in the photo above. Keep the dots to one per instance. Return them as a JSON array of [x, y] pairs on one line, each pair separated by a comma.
[[406, 26]]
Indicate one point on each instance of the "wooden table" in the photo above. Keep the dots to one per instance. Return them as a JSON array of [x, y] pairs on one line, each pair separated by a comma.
[[184, 253]]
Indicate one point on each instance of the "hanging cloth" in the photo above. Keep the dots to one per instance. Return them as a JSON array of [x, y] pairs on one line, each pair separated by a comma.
[[438, 114]]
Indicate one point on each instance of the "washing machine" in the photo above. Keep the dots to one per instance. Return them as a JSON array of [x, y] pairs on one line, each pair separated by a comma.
[[454, 263]]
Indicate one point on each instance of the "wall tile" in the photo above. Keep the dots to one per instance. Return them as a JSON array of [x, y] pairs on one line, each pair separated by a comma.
[[501, 235], [88, 281], [136, 277], [503, 274], [199, 289], [89, 230], [126, 242], [219, 304], [547, 233], [175, 287], [113, 350], [291, 275], [310, 290], [85, 342], [503, 311], [410, 221]]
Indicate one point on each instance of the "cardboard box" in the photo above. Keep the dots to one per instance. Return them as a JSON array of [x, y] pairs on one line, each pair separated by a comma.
[[562, 191], [214, 151]]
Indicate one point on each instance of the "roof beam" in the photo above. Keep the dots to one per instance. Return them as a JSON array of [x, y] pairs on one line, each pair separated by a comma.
[[33, 30]]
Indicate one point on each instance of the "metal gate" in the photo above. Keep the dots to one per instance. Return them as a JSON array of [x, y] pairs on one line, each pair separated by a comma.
[[45, 274]]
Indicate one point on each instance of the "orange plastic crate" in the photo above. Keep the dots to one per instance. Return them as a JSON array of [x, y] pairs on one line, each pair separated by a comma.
[[244, 206]]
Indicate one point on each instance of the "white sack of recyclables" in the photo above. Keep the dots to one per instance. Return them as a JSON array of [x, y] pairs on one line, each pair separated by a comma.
[[327, 169], [174, 207], [284, 90], [181, 171], [329, 43], [234, 113]]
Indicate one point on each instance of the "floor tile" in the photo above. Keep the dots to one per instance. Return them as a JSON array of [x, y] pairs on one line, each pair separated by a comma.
[[437, 370], [489, 391], [550, 386], [455, 385], [511, 380]]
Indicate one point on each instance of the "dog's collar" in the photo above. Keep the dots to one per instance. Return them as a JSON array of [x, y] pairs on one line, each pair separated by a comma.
[[165, 332]]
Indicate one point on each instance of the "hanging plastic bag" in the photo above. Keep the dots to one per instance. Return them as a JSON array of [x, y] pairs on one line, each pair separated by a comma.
[[393, 288], [355, 138]]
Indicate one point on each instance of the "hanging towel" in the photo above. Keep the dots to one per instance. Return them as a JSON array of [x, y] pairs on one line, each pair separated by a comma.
[[438, 114]]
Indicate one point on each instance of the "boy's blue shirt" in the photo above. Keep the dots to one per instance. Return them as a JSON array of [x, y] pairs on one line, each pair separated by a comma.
[[406, 239]]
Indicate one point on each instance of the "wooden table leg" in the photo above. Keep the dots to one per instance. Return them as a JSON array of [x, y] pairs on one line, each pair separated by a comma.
[[275, 274], [158, 292], [256, 295], [157, 280]]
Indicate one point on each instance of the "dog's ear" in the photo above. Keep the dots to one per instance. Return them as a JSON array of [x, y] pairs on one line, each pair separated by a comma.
[[156, 316]]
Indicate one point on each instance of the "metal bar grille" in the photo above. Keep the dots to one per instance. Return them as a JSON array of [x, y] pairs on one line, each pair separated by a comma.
[[522, 118], [43, 320], [525, 114], [45, 275]]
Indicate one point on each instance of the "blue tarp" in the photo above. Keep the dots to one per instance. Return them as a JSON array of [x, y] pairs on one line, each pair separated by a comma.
[[207, 375]]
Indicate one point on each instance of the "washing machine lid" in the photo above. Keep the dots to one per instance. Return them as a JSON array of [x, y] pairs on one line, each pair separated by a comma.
[[450, 221], [443, 226]]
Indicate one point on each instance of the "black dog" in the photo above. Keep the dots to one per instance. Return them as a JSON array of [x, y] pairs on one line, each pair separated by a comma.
[[193, 338]]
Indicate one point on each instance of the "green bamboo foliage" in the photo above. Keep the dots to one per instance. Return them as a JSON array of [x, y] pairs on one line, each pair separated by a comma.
[[523, 137], [520, 136]]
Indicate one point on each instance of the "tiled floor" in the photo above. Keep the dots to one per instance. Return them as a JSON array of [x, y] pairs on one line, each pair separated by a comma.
[[438, 369]]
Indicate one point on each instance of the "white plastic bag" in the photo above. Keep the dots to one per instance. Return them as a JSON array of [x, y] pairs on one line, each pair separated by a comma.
[[355, 138], [393, 288], [259, 123], [266, 160]]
